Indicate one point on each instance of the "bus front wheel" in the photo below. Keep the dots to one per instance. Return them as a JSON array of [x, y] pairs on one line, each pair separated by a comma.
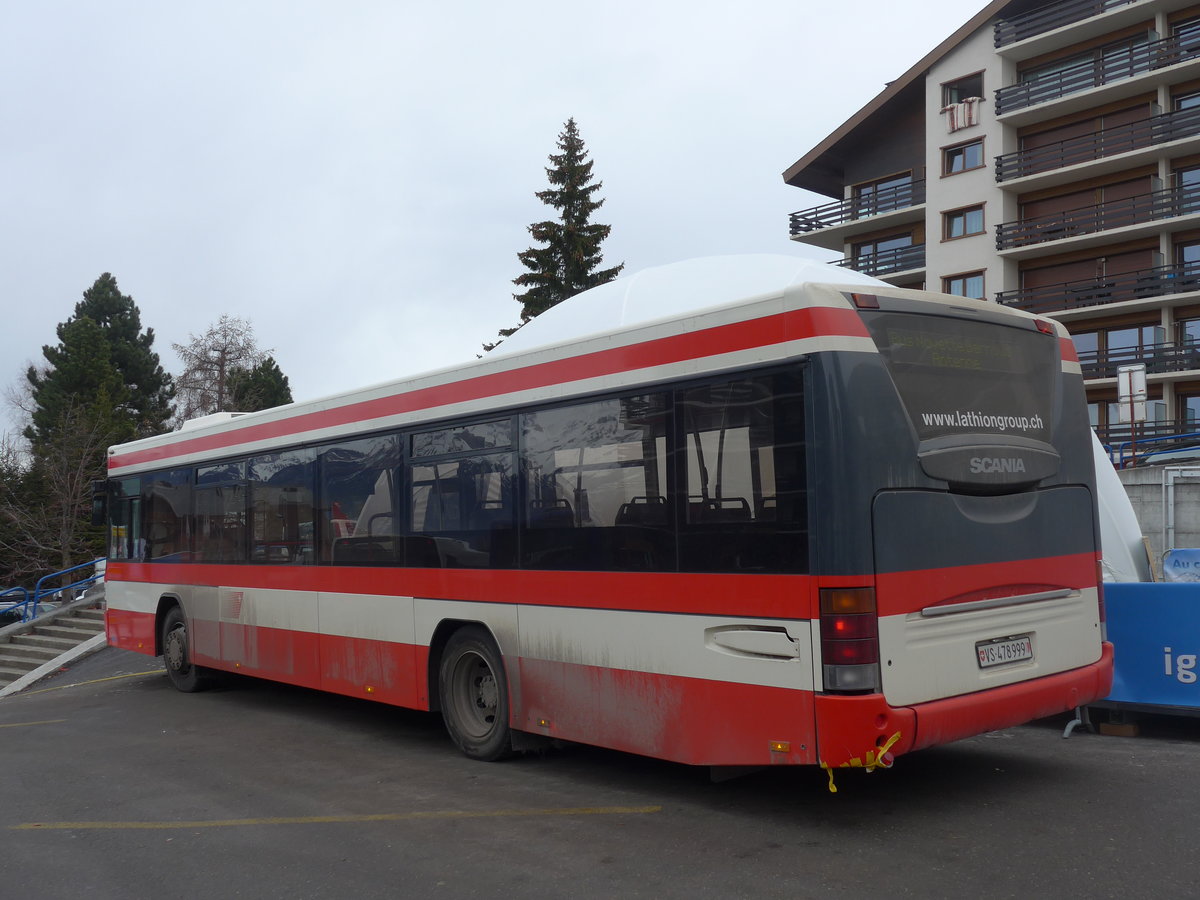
[[177, 658], [474, 695]]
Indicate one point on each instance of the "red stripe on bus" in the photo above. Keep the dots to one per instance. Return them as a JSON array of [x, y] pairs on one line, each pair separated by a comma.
[[760, 332], [762, 596], [765, 596], [708, 594], [899, 593], [1069, 353]]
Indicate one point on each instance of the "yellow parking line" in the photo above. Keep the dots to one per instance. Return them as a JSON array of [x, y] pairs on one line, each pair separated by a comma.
[[340, 820], [63, 687], [27, 724]]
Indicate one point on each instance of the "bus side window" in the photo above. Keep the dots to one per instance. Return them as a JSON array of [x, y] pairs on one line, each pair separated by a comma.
[[461, 499], [219, 516], [356, 516], [167, 507], [595, 486], [281, 497], [745, 476], [125, 519]]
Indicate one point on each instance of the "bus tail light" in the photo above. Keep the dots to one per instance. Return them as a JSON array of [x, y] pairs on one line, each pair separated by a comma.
[[849, 639]]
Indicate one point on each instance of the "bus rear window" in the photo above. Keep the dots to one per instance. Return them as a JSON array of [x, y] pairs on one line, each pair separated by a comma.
[[959, 377]]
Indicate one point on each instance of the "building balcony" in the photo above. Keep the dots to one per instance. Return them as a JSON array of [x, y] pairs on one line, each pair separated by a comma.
[[1159, 359], [1118, 66], [890, 264], [1149, 132], [833, 224], [1049, 18], [1160, 281], [1139, 210]]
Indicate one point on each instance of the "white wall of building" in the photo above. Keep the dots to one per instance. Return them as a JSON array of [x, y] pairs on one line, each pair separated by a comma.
[[949, 192]]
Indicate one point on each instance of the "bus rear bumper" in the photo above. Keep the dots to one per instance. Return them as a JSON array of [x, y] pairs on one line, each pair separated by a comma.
[[942, 721], [854, 731]]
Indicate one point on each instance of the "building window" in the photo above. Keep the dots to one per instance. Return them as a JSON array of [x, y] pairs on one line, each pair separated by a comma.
[[887, 254], [1087, 344], [883, 194], [1187, 101], [1189, 332], [1109, 348], [1187, 185], [1189, 409], [969, 284], [962, 222], [962, 158], [962, 89]]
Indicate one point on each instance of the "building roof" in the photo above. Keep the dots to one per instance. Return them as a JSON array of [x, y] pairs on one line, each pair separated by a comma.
[[819, 170]]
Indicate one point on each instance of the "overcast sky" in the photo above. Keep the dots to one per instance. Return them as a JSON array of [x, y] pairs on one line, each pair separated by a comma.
[[356, 177]]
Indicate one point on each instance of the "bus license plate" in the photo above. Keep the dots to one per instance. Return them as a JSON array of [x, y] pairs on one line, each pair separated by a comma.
[[1004, 650]]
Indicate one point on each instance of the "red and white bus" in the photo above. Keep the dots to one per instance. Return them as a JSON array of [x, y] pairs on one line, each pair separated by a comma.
[[734, 512]]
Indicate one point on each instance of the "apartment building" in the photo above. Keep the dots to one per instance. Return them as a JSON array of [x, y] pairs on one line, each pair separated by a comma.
[[1045, 156]]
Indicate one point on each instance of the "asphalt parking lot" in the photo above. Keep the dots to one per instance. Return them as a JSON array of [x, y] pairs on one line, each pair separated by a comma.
[[117, 786]]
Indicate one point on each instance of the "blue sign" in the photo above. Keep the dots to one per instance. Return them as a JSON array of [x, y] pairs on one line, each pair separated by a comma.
[[1155, 631], [1181, 565]]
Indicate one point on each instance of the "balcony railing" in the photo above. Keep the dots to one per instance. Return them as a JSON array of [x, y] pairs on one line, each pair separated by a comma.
[[1111, 66], [1156, 282], [1158, 358], [1099, 144], [843, 211], [880, 264], [1047, 18], [1153, 207]]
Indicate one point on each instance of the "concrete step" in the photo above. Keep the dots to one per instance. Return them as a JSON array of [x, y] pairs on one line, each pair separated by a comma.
[[91, 626], [9, 674], [41, 654], [67, 632], [21, 663], [57, 644], [90, 615]]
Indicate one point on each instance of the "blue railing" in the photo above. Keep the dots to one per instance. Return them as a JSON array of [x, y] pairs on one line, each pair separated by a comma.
[[11, 611], [28, 606], [1135, 447]]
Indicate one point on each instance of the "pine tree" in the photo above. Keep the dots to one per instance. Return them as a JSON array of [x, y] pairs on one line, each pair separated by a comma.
[[143, 391], [569, 259], [261, 387], [101, 384], [80, 378]]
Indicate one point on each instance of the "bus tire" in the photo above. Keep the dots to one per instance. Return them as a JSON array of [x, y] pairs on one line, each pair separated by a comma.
[[474, 695], [177, 659]]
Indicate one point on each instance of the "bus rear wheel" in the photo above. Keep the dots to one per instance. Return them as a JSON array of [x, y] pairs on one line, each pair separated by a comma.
[[474, 695], [177, 658]]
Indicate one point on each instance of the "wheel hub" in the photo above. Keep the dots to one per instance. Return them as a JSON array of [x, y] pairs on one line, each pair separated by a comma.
[[486, 693], [175, 651]]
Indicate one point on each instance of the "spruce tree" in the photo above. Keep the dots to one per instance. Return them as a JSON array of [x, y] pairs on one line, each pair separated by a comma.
[[569, 258], [81, 378], [141, 392], [261, 387]]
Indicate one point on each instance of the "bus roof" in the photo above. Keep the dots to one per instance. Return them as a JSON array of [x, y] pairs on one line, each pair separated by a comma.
[[656, 304], [674, 290]]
